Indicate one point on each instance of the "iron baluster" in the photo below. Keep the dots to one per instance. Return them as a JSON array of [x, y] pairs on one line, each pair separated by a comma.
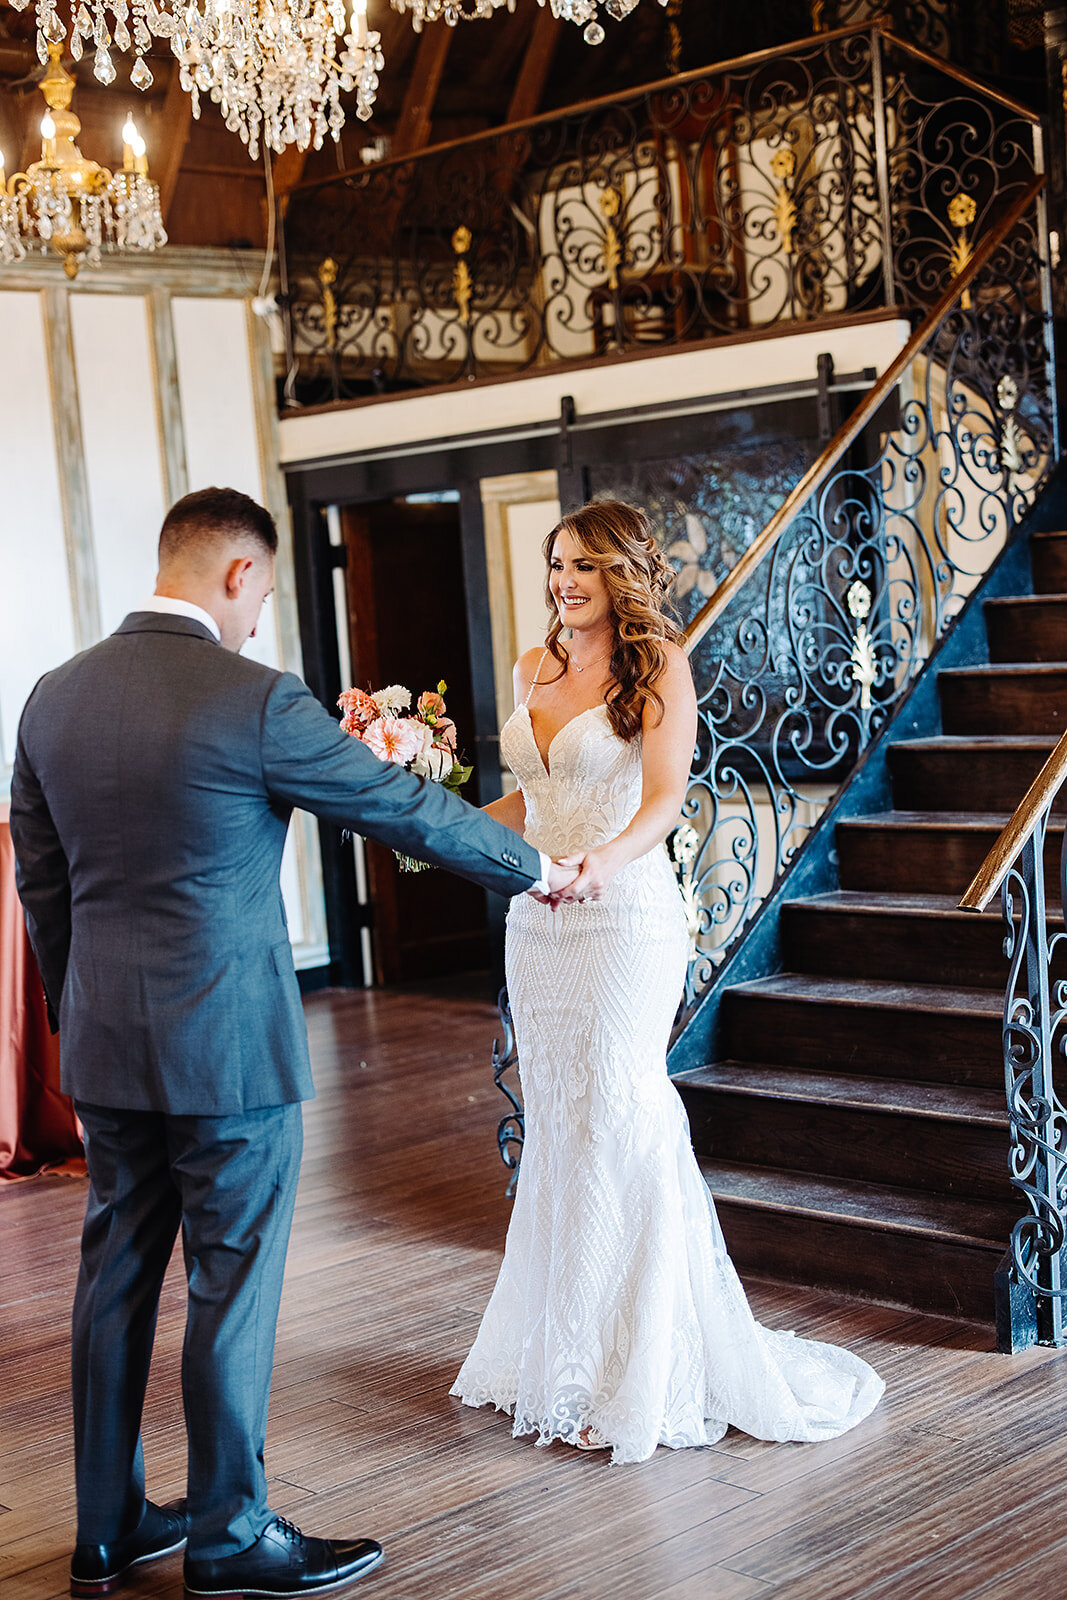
[[881, 161], [511, 1131], [1034, 1013]]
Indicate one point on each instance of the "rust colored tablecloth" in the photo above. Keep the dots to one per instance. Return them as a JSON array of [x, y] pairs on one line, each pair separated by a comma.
[[38, 1128]]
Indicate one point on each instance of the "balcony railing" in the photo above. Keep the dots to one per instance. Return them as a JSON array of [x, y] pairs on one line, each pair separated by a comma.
[[846, 173]]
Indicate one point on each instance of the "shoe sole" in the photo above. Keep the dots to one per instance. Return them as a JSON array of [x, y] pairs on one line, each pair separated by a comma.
[[86, 1588], [289, 1594]]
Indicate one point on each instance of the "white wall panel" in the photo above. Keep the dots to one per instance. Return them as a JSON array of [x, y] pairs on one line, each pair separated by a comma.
[[123, 455], [218, 405], [36, 618], [528, 524], [218, 409]]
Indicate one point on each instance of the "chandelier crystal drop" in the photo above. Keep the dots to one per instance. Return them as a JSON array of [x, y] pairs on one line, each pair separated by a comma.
[[70, 205], [585, 13], [275, 68], [452, 11]]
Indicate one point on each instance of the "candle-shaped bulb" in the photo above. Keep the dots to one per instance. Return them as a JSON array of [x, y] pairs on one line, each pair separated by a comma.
[[133, 148], [48, 127]]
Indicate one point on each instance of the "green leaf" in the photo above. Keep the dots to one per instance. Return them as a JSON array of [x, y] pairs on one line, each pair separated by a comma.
[[457, 778]]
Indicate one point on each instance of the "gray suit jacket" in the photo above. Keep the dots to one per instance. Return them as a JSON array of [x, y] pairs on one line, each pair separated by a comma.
[[154, 779]]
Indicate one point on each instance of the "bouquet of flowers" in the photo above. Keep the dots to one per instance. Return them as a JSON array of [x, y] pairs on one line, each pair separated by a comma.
[[423, 740]]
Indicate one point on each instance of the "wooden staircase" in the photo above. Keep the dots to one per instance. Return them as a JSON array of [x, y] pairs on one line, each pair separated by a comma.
[[854, 1131]]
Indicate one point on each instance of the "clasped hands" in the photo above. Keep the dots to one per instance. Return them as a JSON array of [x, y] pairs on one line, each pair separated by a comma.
[[576, 878]]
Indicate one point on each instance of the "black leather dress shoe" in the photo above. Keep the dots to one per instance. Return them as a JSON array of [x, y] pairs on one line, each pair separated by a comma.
[[99, 1568], [283, 1561]]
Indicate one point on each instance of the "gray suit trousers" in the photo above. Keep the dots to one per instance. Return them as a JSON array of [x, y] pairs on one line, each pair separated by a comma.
[[230, 1184]]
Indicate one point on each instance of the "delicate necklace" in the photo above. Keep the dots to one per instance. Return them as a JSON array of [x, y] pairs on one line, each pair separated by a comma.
[[577, 668]]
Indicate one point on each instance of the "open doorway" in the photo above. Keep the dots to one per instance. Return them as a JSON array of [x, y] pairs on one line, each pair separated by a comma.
[[407, 623]]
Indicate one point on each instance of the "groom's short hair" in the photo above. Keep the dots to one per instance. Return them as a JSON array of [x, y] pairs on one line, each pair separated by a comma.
[[208, 518]]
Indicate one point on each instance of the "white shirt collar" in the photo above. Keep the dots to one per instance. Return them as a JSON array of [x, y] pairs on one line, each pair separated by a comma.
[[180, 608]]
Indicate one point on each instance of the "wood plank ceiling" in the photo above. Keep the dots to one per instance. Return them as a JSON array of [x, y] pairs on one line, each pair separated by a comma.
[[442, 84]]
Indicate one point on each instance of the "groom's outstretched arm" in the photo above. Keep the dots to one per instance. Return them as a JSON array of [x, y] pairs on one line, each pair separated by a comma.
[[309, 762]]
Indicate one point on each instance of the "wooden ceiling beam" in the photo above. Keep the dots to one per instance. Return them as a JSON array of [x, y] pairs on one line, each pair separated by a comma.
[[12, 131], [32, 109], [537, 63], [286, 171], [416, 114], [170, 140]]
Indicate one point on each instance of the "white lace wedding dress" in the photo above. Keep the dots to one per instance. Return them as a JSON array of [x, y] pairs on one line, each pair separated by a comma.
[[617, 1307]]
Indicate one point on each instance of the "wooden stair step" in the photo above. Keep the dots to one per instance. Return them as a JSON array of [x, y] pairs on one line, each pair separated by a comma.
[[938, 1101], [881, 1207], [1048, 562], [856, 933], [936, 852], [929, 1136], [894, 1245], [1004, 699], [939, 774], [1027, 628], [874, 1028]]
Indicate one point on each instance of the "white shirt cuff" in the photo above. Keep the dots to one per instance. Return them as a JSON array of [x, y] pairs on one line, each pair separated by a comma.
[[541, 886]]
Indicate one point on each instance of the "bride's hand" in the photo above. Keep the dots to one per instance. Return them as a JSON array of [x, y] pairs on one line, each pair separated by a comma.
[[596, 868]]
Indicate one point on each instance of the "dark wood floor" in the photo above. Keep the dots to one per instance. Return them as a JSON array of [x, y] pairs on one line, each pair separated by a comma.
[[951, 1491]]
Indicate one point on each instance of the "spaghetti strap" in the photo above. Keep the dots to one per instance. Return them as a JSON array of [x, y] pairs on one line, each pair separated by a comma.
[[536, 675]]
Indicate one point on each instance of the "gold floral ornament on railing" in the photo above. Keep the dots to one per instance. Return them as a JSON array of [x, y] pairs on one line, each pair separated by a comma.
[[864, 662], [610, 203], [961, 213], [327, 278], [783, 165], [674, 36], [461, 277], [685, 846]]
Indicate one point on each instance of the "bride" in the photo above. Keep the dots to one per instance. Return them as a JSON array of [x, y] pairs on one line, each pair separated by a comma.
[[617, 1320]]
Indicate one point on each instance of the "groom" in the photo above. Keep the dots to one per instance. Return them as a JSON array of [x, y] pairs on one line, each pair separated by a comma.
[[154, 779]]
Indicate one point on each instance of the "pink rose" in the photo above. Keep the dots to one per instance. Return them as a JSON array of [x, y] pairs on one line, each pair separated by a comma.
[[359, 711], [395, 739]]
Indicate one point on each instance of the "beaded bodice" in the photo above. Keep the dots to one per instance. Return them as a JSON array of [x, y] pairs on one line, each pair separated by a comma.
[[591, 788]]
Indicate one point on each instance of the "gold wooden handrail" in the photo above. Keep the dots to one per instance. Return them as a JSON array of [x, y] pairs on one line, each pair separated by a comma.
[[1017, 831], [765, 541]]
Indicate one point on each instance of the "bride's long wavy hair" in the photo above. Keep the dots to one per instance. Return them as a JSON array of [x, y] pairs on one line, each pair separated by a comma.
[[618, 540]]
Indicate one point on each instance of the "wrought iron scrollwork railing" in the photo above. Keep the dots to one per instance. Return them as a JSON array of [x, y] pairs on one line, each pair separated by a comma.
[[817, 633], [1035, 1034], [845, 173]]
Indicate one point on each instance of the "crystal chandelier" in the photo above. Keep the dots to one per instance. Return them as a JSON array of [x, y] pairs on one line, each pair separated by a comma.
[[73, 206], [275, 68], [585, 13]]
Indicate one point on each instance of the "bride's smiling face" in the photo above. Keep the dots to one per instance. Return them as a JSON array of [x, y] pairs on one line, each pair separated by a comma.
[[578, 591]]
